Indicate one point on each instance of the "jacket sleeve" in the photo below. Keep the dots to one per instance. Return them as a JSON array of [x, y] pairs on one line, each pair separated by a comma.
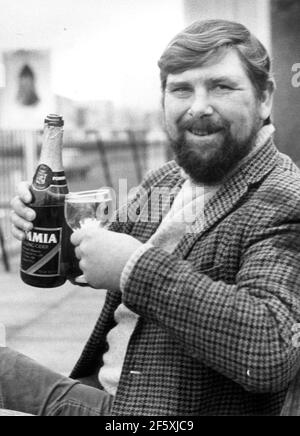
[[243, 331]]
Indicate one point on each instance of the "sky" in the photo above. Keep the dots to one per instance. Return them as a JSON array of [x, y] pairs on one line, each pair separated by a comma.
[[101, 49]]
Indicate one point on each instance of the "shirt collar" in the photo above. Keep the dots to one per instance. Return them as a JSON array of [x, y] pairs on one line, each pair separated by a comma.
[[262, 138]]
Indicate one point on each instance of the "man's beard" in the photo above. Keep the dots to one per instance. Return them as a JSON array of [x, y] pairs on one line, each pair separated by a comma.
[[225, 151]]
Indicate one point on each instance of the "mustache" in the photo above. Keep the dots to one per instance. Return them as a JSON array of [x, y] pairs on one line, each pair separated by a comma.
[[203, 124]]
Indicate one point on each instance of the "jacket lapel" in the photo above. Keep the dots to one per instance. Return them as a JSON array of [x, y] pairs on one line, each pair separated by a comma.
[[160, 199], [252, 171]]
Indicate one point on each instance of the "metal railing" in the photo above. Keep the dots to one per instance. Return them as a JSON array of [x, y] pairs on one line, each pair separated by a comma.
[[90, 162], [15, 163]]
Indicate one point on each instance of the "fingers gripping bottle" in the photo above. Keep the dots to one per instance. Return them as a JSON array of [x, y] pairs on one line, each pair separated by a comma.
[[43, 257]]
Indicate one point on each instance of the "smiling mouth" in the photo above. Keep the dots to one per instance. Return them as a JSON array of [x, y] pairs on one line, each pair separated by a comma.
[[202, 132]]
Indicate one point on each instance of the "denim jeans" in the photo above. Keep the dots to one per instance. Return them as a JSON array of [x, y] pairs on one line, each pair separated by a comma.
[[292, 401], [26, 386]]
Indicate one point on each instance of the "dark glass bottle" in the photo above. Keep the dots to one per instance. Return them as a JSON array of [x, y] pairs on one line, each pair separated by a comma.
[[44, 257]]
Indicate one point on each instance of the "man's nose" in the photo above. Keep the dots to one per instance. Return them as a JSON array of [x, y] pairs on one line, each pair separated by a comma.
[[201, 105]]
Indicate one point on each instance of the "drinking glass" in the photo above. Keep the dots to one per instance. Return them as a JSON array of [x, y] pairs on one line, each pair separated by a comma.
[[88, 209]]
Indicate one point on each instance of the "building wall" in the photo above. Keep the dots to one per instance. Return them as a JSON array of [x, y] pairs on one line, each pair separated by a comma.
[[255, 14], [286, 53], [276, 24]]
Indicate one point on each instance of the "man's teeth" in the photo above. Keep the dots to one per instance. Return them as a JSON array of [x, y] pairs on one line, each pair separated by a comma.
[[202, 133], [199, 133]]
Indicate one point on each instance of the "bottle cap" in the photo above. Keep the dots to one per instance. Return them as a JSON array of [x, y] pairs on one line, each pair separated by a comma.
[[54, 120]]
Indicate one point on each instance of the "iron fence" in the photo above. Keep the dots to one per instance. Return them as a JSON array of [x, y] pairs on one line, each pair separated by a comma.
[[90, 162]]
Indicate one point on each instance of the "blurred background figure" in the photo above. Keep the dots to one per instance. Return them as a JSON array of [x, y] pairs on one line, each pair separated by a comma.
[[27, 95], [94, 61]]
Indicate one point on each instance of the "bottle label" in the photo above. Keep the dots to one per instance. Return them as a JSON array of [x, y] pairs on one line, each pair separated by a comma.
[[41, 252], [43, 178]]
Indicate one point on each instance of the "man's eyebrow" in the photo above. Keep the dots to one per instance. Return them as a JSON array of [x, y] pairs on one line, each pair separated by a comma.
[[236, 80], [180, 83], [231, 79]]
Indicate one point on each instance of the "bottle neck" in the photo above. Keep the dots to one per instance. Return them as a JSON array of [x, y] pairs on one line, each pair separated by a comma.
[[51, 154]]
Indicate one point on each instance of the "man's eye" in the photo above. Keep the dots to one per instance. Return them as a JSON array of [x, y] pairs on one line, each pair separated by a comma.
[[223, 88], [181, 90]]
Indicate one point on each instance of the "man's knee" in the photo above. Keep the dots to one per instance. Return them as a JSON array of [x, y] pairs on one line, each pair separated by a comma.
[[12, 364], [8, 355]]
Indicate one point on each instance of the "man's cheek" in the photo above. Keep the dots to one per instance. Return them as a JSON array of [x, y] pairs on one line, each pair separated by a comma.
[[171, 129], [238, 128]]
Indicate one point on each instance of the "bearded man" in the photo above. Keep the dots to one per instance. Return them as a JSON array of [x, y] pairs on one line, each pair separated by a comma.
[[201, 302]]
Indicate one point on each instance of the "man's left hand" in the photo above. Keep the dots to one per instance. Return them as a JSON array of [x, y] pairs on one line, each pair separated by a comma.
[[103, 255]]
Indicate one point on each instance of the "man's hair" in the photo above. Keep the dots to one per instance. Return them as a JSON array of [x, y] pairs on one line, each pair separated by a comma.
[[203, 40]]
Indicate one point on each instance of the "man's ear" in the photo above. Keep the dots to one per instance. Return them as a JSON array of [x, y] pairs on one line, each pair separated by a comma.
[[266, 100]]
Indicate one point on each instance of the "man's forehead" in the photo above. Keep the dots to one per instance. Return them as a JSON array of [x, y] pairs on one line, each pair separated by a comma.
[[228, 65]]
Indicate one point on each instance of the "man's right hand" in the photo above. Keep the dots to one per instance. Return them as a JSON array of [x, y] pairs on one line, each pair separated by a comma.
[[22, 216]]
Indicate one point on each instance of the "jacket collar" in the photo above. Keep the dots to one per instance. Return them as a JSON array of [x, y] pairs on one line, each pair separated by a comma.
[[251, 171]]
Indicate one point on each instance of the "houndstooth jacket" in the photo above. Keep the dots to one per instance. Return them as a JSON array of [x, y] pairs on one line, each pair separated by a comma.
[[216, 316]]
